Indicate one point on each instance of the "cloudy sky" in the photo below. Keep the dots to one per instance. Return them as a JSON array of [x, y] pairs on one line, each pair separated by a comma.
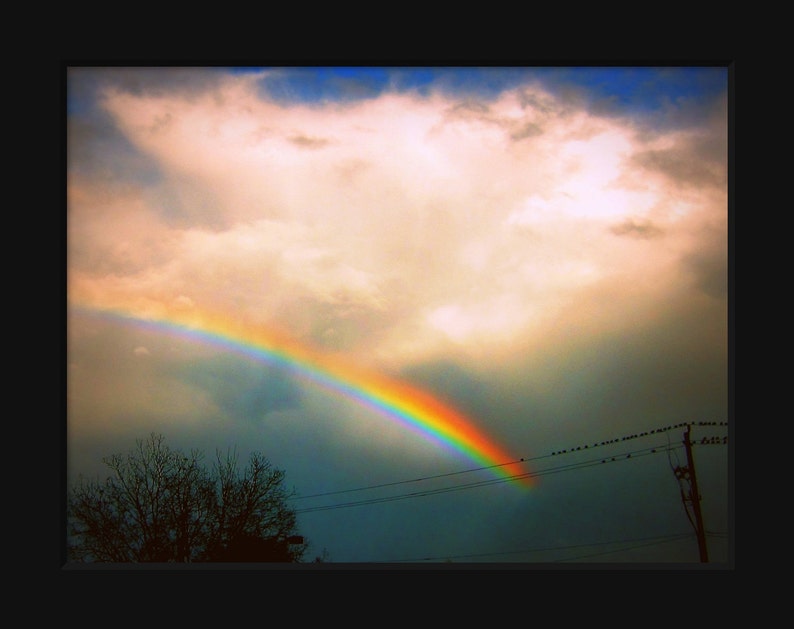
[[541, 251]]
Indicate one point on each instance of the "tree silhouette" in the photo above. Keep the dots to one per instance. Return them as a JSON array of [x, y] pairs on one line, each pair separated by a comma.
[[161, 505]]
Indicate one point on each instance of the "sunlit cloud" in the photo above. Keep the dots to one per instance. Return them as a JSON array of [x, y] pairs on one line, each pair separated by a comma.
[[342, 207]]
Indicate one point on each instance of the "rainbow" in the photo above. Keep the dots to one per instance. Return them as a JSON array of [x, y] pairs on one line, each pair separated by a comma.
[[399, 401]]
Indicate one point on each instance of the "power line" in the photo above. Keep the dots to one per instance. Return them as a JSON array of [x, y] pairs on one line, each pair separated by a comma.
[[668, 448], [432, 492], [620, 550], [414, 480], [646, 433], [585, 447]]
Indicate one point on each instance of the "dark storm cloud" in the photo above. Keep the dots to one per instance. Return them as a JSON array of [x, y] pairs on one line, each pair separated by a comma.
[[684, 166], [658, 368], [451, 382], [96, 148], [575, 513], [248, 391], [699, 158], [153, 80], [710, 269]]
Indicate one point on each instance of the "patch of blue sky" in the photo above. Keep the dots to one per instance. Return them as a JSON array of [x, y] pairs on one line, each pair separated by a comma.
[[346, 83], [322, 84], [638, 88]]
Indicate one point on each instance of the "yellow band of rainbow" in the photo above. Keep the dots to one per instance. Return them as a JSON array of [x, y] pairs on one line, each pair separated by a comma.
[[399, 401]]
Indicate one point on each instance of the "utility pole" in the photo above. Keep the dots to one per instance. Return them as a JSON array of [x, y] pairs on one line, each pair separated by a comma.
[[688, 473]]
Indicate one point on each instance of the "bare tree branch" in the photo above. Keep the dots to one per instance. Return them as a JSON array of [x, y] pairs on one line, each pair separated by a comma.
[[161, 505]]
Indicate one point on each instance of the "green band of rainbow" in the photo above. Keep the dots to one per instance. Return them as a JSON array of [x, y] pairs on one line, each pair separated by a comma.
[[406, 404]]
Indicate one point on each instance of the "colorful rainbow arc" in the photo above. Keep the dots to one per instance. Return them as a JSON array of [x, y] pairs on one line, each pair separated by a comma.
[[410, 406]]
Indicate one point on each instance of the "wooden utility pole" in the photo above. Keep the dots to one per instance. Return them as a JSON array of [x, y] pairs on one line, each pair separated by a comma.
[[688, 474]]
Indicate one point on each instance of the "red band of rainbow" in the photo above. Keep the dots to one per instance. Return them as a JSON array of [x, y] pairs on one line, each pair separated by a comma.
[[406, 404]]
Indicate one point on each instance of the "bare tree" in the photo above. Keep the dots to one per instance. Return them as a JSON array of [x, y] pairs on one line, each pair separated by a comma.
[[160, 505]]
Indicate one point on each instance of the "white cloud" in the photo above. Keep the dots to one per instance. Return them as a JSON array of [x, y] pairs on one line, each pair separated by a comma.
[[424, 220]]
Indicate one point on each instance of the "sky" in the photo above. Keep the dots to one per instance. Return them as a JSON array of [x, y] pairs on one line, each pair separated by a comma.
[[395, 281]]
